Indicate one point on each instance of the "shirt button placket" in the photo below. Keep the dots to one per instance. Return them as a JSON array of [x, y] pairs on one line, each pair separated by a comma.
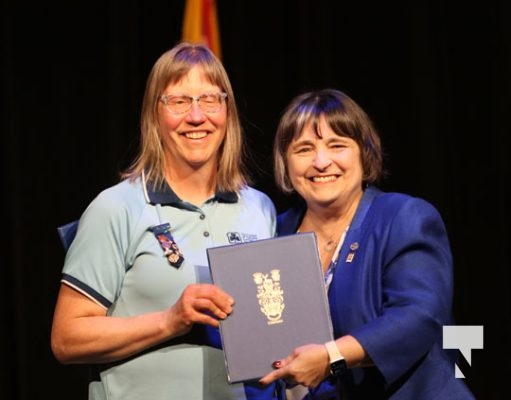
[[203, 217]]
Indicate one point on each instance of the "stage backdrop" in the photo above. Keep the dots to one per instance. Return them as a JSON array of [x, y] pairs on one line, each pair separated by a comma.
[[435, 78]]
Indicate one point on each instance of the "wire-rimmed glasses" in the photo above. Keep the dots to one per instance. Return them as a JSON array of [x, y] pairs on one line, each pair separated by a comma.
[[180, 104]]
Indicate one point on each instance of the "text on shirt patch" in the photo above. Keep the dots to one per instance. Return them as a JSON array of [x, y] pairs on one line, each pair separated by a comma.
[[237, 237]]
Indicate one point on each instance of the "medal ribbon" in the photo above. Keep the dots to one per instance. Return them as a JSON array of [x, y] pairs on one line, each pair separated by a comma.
[[168, 244]]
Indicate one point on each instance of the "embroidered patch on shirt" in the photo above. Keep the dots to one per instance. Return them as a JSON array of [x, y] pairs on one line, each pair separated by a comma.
[[240, 237], [234, 237], [168, 244]]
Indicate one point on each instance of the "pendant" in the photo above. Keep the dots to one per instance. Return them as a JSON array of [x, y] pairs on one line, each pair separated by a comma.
[[330, 246]]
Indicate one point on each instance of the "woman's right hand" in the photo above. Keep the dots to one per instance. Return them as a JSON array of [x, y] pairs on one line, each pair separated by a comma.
[[201, 303], [82, 332]]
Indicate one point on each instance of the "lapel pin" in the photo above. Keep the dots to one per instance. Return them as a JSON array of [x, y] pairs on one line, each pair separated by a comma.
[[351, 254]]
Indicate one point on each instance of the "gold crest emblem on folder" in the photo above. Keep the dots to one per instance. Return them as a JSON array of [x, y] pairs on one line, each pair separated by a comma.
[[270, 295]]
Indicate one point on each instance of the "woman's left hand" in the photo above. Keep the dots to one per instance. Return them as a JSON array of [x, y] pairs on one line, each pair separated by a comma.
[[307, 365]]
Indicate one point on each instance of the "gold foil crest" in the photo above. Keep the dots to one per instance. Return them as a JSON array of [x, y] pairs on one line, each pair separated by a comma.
[[270, 295]]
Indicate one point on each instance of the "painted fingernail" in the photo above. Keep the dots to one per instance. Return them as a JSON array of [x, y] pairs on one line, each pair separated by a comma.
[[276, 364]]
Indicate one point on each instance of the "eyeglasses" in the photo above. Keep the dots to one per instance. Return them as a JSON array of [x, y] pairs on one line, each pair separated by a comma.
[[180, 104]]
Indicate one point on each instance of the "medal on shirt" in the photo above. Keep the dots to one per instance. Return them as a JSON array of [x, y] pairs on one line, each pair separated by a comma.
[[168, 244]]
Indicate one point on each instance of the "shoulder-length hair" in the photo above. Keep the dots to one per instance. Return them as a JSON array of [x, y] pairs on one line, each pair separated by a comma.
[[168, 69], [343, 115]]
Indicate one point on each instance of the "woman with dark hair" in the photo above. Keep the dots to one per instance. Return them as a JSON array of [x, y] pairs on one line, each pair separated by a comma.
[[386, 259]]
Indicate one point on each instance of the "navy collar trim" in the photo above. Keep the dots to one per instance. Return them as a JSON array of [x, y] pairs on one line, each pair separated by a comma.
[[165, 195]]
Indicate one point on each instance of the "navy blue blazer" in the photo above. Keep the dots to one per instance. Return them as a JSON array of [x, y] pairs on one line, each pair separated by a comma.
[[392, 290]]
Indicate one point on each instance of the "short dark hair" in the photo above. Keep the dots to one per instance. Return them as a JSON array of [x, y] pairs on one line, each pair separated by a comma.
[[343, 115]]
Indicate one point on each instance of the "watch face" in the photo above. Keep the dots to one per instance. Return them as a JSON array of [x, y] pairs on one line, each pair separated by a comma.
[[337, 368]]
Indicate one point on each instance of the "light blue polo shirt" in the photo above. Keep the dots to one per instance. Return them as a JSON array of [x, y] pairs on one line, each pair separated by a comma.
[[116, 260]]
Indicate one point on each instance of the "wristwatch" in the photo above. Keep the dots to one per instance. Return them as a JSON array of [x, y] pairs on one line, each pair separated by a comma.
[[337, 362]]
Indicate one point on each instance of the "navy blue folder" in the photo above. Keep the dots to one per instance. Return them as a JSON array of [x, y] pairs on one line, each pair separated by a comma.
[[280, 301]]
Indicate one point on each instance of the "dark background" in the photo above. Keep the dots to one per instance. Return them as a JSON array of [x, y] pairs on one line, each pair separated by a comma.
[[435, 77]]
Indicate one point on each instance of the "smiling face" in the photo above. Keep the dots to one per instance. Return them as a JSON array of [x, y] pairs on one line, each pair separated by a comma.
[[323, 167], [192, 140]]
